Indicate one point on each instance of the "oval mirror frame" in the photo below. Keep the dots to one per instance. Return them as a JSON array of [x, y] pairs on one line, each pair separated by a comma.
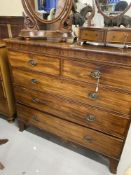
[[111, 17], [62, 16]]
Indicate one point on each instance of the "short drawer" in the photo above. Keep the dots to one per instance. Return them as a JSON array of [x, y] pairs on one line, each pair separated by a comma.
[[39, 63], [112, 75], [84, 115], [88, 138], [108, 98], [2, 93], [91, 35]]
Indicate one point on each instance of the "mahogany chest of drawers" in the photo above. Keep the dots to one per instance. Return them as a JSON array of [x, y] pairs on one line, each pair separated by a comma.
[[7, 103], [82, 94]]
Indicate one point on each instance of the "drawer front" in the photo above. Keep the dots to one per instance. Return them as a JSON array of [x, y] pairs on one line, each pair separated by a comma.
[[88, 116], [91, 71], [4, 107], [88, 138], [91, 35], [118, 37], [107, 98], [2, 93], [37, 63]]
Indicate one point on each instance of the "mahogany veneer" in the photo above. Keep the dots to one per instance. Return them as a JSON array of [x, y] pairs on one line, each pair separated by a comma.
[[7, 102], [82, 94]]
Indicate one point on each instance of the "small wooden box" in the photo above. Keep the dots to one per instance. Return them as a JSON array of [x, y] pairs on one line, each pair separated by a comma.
[[105, 35], [90, 34]]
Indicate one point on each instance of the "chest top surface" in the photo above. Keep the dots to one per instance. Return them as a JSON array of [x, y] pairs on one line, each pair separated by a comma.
[[65, 46]]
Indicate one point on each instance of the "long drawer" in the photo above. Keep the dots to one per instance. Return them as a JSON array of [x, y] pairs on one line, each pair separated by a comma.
[[33, 62], [112, 75], [2, 93], [88, 138], [84, 115], [107, 97]]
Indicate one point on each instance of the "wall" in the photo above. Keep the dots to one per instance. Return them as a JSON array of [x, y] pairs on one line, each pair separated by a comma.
[[11, 8]]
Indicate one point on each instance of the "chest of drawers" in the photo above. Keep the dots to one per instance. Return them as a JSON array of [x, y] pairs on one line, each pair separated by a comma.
[[81, 94], [7, 104]]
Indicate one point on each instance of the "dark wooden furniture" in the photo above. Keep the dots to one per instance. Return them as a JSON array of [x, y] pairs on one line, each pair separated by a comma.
[[10, 26], [81, 94], [7, 102]]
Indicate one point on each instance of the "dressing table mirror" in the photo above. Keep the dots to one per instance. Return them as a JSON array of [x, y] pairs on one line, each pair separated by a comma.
[[111, 24], [46, 19]]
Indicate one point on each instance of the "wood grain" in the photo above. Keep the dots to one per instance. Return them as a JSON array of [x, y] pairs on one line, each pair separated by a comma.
[[2, 94], [39, 63], [4, 107], [60, 95], [111, 75], [7, 106], [103, 121], [107, 97], [86, 137], [0, 75]]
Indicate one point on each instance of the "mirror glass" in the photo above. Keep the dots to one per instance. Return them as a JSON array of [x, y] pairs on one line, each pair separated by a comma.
[[47, 9], [84, 9], [113, 13], [113, 7], [81, 12]]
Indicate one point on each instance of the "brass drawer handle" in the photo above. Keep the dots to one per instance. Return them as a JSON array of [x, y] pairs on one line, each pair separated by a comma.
[[89, 139], [35, 100], [93, 95], [32, 62], [91, 118], [96, 74], [34, 81], [35, 118]]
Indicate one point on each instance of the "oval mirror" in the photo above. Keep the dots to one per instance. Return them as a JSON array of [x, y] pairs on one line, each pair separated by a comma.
[[48, 11], [113, 8], [83, 12]]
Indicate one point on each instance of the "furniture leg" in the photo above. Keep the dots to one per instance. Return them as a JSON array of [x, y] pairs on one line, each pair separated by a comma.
[[22, 126], [113, 165]]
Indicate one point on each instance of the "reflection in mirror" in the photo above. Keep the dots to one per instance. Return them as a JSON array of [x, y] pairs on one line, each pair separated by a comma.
[[113, 7], [112, 13], [81, 12], [85, 14], [48, 9]]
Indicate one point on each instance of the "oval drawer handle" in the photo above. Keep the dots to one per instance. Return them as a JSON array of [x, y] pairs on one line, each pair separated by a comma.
[[91, 118], [89, 139], [34, 81], [93, 95], [35, 100], [96, 74], [32, 62], [35, 118]]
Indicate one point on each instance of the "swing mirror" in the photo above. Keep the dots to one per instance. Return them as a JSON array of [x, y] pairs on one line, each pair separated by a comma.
[[113, 8], [47, 11]]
